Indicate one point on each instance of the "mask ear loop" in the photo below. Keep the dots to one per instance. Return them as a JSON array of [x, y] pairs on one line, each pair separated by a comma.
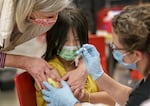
[[137, 60], [129, 53], [125, 54]]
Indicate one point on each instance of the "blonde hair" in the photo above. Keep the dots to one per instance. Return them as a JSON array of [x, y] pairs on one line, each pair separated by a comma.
[[24, 8]]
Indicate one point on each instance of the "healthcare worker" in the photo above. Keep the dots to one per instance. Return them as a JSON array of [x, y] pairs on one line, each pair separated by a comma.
[[131, 48]]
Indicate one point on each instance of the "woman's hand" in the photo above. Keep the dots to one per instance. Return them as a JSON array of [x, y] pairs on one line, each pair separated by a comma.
[[38, 68]]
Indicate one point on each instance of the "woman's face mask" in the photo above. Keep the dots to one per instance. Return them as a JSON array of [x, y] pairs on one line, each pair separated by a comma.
[[119, 57], [44, 22], [68, 53]]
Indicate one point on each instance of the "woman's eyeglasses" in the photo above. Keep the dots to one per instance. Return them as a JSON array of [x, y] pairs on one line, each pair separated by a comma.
[[114, 47]]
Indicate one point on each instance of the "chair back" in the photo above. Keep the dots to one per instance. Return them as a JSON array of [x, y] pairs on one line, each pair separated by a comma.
[[25, 89]]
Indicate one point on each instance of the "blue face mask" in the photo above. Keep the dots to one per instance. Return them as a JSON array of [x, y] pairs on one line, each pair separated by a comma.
[[119, 57]]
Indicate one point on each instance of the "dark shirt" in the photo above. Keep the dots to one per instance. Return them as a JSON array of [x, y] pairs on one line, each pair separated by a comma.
[[140, 93]]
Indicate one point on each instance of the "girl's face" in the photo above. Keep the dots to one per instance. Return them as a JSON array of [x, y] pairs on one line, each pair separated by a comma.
[[44, 19], [68, 51], [72, 38]]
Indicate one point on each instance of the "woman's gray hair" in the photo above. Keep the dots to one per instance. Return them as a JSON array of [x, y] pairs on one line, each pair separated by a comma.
[[24, 8]]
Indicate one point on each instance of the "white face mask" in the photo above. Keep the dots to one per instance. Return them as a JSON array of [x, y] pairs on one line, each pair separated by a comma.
[[68, 52]]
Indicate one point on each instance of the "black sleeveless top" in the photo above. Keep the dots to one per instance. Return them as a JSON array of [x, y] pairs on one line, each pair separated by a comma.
[[140, 93]]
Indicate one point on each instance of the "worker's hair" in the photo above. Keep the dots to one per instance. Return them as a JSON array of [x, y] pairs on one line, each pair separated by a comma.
[[132, 26], [24, 8]]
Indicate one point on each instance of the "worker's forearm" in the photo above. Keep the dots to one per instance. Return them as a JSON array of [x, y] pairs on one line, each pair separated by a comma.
[[117, 91], [101, 97]]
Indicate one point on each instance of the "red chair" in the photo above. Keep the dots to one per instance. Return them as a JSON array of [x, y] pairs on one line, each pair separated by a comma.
[[25, 89], [99, 43], [135, 75]]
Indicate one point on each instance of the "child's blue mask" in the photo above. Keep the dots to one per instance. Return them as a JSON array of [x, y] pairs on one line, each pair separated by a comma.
[[119, 57]]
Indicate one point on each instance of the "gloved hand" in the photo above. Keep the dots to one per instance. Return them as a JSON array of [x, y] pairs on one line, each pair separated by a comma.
[[59, 96], [91, 59], [48, 104]]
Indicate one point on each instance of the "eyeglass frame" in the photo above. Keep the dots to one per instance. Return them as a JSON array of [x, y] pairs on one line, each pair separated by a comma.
[[114, 47]]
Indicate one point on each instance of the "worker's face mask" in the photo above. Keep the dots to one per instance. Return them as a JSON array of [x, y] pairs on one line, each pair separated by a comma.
[[68, 53], [119, 57], [44, 22]]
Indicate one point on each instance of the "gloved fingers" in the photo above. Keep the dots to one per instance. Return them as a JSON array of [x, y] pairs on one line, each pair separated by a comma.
[[88, 52], [48, 86], [86, 55], [64, 84], [83, 48], [46, 98], [88, 46], [49, 104], [80, 51], [45, 92], [91, 49]]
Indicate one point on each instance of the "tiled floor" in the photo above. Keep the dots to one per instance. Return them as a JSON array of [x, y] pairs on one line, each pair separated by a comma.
[[9, 98]]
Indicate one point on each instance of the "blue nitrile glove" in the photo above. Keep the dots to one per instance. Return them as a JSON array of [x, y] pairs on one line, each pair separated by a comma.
[[91, 58], [48, 104], [59, 96]]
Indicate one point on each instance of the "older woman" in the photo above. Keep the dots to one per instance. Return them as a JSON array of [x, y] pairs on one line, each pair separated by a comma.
[[21, 21]]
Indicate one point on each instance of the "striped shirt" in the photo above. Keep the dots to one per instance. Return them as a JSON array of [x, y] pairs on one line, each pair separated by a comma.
[[2, 59]]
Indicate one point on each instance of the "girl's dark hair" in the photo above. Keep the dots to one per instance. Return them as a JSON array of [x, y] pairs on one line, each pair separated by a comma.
[[56, 37]]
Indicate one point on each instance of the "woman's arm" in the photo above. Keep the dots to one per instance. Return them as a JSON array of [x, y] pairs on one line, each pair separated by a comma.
[[37, 67], [114, 92], [119, 92]]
